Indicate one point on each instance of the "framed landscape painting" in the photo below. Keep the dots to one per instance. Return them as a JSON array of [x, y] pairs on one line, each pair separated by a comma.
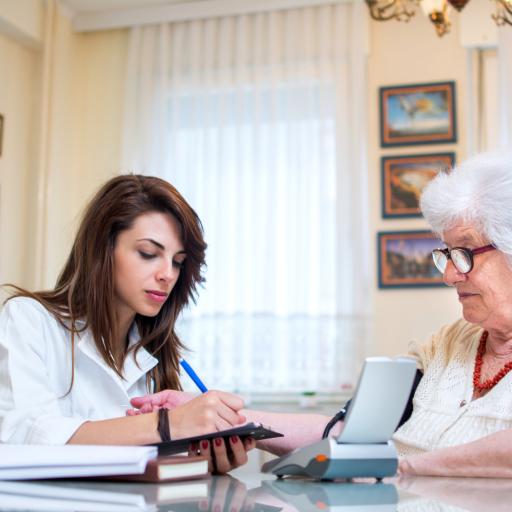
[[405, 259], [417, 114], [405, 177]]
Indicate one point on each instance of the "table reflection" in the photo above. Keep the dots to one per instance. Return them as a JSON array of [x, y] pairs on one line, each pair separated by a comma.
[[214, 495], [444, 494], [225, 493], [299, 495]]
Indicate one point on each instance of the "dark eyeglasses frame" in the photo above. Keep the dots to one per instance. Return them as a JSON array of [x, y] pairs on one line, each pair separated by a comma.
[[470, 253]]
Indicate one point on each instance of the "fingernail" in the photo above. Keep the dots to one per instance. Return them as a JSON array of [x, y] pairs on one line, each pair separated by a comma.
[[234, 439], [194, 447], [204, 444], [218, 441]]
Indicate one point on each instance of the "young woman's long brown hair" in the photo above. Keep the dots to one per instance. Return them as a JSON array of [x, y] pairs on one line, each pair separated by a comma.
[[85, 287]]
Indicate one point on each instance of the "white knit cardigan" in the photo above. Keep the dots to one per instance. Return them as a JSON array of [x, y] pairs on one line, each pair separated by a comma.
[[444, 412]]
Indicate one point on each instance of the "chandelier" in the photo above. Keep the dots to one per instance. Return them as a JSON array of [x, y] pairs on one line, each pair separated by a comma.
[[438, 11]]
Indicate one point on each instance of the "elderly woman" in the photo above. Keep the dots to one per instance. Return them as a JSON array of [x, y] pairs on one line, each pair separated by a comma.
[[462, 410], [461, 421]]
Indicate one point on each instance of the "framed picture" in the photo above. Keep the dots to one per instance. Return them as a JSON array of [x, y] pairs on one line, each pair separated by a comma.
[[417, 114], [1, 132], [405, 177], [405, 259]]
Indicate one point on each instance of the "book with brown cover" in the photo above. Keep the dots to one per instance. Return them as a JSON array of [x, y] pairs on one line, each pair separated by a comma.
[[168, 469]]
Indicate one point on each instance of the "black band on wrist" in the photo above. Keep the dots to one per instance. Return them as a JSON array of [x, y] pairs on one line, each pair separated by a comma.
[[164, 429]]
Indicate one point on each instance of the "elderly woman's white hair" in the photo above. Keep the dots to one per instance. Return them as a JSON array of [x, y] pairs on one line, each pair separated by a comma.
[[477, 192]]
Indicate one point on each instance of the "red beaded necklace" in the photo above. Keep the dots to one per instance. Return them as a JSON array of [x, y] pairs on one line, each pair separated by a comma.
[[489, 383]]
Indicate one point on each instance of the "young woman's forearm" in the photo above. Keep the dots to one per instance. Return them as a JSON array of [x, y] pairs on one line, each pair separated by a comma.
[[129, 430], [209, 412]]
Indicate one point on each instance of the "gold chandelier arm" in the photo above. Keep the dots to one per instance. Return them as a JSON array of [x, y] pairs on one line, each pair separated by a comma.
[[503, 13], [404, 10], [383, 10]]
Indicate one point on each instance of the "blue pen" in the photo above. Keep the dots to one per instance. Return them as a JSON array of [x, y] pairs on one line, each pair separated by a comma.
[[193, 375]]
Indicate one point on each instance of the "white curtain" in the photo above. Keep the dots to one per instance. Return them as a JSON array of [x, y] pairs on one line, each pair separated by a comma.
[[259, 120]]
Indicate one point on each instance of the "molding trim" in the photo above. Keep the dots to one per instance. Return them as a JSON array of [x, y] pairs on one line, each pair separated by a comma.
[[13, 32], [202, 9]]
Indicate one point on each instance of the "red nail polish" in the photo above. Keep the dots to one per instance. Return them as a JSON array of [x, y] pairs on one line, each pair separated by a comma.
[[234, 439], [218, 441], [194, 447], [204, 445]]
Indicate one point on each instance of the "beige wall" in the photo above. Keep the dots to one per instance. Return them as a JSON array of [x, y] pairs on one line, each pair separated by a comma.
[[85, 124], [83, 142], [19, 79], [62, 105], [403, 53], [22, 20]]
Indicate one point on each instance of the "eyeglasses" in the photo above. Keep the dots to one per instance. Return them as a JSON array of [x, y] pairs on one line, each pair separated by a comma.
[[461, 256]]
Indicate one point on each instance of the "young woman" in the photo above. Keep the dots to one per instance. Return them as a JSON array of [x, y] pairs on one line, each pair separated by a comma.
[[71, 358]]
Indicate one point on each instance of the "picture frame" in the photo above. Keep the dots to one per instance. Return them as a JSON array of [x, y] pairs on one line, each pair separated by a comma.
[[1, 132], [418, 114], [403, 179], [405, 259]]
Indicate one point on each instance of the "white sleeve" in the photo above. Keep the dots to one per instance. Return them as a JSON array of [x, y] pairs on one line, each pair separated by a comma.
[[29, 408]]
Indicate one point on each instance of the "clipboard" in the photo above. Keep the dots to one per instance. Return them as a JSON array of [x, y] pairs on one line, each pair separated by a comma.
[[254, 430]]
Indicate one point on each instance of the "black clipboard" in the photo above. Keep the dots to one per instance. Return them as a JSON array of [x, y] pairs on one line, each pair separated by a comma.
[[254, 430]]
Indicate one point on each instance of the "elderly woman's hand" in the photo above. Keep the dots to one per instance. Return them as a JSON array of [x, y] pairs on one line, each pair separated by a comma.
[[405, 468]]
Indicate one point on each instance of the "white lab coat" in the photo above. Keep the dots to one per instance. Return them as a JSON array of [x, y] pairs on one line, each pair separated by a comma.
[[35, 373]]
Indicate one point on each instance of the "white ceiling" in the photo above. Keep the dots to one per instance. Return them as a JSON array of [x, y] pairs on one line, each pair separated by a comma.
[[80, 6]]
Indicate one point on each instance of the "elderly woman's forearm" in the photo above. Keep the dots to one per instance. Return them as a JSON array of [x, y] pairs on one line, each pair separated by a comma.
[[298, 429], [489, 457]]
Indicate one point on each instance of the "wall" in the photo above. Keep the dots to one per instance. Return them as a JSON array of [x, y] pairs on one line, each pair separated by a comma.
[[85, 129], [70, 91], [103, 55], [22, 21], [403, 53], [19, 79]]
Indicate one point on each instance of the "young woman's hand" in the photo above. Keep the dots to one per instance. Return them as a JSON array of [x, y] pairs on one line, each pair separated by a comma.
[[222, 458], [209, 412], [168, 399]]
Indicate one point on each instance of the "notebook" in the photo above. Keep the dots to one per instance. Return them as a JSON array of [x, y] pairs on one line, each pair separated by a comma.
[[25, 462], [254, 430]]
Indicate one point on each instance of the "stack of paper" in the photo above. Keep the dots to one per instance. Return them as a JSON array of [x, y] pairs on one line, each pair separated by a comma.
[[26, 462]]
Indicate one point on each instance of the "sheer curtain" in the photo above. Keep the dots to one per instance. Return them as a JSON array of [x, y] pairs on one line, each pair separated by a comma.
[[259, 120]]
